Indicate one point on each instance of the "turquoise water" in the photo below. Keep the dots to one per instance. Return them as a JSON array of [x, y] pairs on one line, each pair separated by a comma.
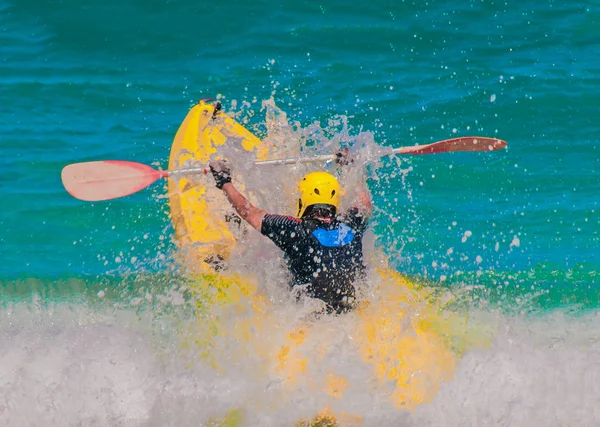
[[113, 80]]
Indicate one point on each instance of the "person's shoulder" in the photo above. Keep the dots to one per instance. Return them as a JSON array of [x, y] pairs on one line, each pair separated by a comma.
[[274, 222], [353, 212], [355, 217], [282, 218]]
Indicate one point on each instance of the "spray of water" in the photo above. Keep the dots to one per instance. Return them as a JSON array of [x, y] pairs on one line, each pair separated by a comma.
[[235, 349], [398, 348]]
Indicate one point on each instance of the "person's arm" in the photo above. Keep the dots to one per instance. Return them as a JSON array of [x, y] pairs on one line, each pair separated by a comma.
[[222, 173], [364, 203], [249, 213]]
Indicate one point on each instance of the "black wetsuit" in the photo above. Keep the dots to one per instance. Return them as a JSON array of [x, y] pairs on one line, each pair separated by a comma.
[[328, 257]]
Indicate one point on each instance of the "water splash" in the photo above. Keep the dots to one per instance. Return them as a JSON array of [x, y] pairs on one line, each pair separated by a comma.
[[247, 309], [236, 350], [79, 362]]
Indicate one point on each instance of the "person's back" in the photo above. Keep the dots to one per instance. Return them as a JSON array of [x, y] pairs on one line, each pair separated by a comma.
[[323, 250], [325, 257]]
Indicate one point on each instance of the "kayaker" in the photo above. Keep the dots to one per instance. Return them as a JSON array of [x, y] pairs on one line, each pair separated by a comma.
[[322, 247]]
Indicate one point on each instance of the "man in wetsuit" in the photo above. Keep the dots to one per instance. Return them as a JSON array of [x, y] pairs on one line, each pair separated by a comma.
[[323, 249]]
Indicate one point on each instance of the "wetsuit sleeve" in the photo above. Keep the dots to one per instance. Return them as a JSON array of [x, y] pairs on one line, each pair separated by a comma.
[[356, 220], [282, 230]]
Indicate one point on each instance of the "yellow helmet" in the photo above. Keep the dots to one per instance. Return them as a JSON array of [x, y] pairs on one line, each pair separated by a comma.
[[318, 188]]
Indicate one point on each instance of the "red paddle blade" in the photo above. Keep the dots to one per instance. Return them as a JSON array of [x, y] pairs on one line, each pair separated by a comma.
[[107, 179], [464, 143]]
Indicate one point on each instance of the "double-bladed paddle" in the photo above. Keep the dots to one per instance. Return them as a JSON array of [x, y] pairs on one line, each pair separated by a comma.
[[111, 179]]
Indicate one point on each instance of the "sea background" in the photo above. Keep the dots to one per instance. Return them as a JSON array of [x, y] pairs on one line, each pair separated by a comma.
[[95, 80]]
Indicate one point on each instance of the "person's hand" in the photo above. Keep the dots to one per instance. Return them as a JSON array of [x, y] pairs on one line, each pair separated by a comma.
[[221, 171], [343, 158]]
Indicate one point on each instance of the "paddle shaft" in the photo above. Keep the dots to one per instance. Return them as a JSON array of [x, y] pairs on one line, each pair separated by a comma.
[[186, 171], [322, 158]]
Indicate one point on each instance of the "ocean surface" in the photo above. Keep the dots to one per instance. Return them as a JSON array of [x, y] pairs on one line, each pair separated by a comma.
[[89, 295]]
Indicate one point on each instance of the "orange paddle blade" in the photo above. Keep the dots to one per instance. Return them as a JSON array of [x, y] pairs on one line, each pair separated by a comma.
[[464, 143], [107, 179]]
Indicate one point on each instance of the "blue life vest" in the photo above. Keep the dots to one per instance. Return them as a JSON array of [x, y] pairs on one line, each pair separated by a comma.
[[340, 236]]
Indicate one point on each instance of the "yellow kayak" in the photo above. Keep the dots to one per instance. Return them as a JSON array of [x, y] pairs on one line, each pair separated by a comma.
[[204, 233], [406, 338]]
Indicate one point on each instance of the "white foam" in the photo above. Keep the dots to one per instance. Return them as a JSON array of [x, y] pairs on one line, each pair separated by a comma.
[[76, 366], [541, 371]]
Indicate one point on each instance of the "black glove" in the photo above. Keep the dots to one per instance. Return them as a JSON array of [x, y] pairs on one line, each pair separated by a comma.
[[221, 171], [342, 157]]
